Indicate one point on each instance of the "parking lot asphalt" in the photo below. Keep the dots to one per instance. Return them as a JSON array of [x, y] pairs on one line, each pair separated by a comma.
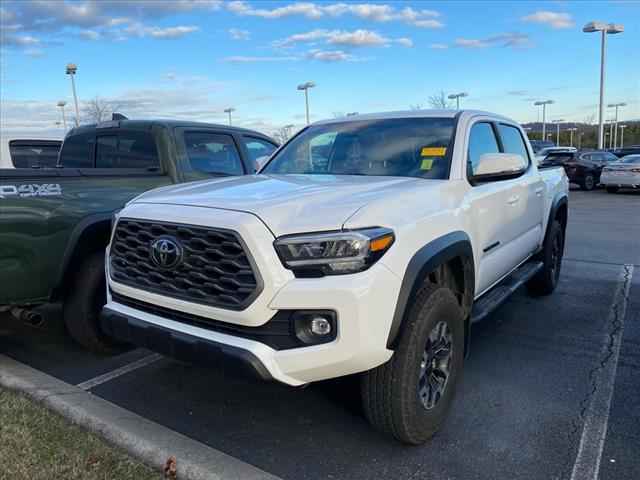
[[536, 365]]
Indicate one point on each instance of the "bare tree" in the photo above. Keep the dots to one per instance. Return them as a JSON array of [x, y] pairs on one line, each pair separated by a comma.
[[98, 110], [282, 134], [438, 101], [416, 106], [590, 119]]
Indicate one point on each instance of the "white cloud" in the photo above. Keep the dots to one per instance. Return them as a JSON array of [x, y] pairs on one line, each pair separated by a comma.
[[238, 34], [366, 11], [139, 30], [428, 23], [357, 38], [471, 43], [512, 39], [20, 41], [90, 34], [330, 56], [553, 19], [352, 39], [439, 46], [249, 59], [405, 42], [305, 9]]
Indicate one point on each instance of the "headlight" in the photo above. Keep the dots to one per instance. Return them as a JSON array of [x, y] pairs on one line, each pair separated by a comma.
[[333, 253]]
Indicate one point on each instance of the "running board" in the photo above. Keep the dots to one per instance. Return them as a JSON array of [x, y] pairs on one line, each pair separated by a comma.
[[499, 294]]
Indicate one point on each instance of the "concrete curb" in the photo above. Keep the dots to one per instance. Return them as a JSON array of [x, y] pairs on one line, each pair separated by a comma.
[[145, 440]]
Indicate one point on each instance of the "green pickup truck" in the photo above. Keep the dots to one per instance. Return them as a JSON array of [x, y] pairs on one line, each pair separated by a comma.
[[55, 222]]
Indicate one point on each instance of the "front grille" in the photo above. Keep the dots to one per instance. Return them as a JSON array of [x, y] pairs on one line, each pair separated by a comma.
[[215, 267]]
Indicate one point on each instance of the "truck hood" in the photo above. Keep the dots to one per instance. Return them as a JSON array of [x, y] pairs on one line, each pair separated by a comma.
[[286, 203]]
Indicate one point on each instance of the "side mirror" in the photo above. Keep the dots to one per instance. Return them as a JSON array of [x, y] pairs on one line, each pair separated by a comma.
[[261, 162], [497, 166]]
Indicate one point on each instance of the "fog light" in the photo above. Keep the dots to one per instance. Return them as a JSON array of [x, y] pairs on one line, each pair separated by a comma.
[[315, 326], [320, 326]]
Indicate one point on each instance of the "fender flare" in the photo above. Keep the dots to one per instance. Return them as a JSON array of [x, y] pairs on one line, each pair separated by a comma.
[[561, 199], [72, 244], [424, 261]]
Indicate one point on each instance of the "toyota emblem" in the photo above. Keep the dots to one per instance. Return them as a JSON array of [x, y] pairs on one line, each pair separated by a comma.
[[166, 252]]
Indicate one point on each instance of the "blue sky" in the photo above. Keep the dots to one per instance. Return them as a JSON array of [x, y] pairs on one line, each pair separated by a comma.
[[191, 59]]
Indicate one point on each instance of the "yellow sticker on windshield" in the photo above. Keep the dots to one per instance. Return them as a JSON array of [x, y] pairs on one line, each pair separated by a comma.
[[426, 164], [433, 151]]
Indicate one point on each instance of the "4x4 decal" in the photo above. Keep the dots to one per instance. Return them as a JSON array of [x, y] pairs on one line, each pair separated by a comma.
[[31, 190]]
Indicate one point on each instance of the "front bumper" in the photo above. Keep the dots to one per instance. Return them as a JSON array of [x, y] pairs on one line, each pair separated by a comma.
[[363, 303], [182, 346]]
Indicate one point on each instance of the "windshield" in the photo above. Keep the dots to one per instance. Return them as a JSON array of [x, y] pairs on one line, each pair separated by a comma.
[[404, 147], [631, 159]]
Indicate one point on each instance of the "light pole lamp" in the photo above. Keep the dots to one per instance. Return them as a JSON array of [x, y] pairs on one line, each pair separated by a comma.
[[544, 104], [622, 127], [72, 68], [615, 128], [61, 104], [558, 122], [306, 86], [457, 97], [228, 111], [604, 28]]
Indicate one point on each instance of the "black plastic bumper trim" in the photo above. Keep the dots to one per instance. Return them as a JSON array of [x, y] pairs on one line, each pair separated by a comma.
[[179, 345]]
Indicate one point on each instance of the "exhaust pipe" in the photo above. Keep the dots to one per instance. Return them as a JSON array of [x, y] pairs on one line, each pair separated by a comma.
[[30, 317]]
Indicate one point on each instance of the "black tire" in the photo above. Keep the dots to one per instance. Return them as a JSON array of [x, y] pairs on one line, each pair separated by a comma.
[[83, 303], [613, 189], [546, 280], [588, 182], [390, 392]]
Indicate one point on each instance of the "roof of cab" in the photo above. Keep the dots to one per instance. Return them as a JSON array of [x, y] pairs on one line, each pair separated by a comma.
[[413, 114], [143, 124]]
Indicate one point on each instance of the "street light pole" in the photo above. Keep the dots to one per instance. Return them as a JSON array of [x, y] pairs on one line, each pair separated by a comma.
[[604, 29], [306, 86], [229, 110], [622, 127], [61, 104], [558, 122], [544, 104], [571, 130], [457, 97], [72, 68], [615, 130]]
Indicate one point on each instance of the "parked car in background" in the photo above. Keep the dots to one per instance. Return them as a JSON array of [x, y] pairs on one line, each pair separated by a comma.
[[538, 145], [372, 255], [582, 167], [55, 223], [29, 153], [623, 152], [624, 173], [542, 153]]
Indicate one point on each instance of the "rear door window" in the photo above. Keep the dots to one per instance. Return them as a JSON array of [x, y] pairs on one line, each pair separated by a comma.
[[214, 153], [77, 151], [512, 141], [133, 149]]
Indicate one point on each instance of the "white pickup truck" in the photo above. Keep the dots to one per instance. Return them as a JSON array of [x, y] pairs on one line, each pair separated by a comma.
[[368, 244]]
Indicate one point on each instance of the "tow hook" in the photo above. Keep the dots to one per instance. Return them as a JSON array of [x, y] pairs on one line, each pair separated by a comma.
[[30, 317]]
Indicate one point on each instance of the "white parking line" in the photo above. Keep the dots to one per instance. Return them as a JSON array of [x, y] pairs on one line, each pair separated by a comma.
[[594, 432], [143, 362]]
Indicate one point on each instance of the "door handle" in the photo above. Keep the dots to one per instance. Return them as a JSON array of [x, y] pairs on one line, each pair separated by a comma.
[[513, 200], [539, 191]]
